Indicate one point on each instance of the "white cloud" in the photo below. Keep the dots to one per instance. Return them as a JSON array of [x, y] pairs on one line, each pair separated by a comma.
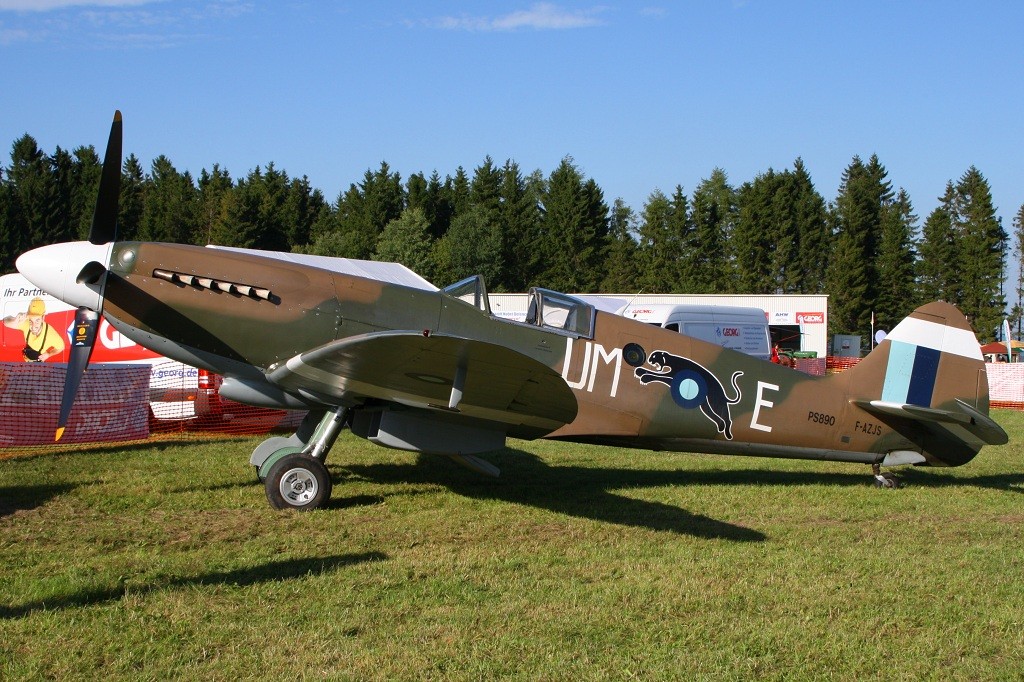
[[540, 17], [9, 36], [47, 5], [653, 11], [118, 23]]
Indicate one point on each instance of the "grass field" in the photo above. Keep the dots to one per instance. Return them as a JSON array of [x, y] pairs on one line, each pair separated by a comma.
[[164, 561]]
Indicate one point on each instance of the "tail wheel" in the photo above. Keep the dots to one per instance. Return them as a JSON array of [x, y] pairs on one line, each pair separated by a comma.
[[298, 482]]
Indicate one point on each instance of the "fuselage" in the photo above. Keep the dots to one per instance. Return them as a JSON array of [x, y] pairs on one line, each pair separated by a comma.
[[244, 315]]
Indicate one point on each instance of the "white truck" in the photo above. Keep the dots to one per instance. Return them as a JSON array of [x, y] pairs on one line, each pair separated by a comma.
[[738, 328]]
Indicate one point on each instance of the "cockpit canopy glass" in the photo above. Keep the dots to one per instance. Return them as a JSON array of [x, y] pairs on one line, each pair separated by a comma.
[[472, 291], [560, 311]]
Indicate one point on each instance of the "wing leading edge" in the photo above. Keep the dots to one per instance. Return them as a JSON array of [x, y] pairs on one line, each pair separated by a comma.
[[448, 374]]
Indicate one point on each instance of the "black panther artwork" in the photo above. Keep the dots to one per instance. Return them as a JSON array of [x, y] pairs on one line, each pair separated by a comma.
[[693, 385]]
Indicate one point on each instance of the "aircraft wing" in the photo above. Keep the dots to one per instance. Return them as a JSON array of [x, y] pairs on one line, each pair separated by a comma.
[[445, 373]]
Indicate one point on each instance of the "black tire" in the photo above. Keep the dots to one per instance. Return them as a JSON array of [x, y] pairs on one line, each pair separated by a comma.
[[298, 482]]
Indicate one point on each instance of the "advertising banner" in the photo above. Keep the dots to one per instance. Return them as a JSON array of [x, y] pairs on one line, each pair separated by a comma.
[[112, 404]]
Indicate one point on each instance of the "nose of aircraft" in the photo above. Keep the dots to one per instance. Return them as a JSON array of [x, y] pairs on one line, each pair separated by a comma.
[[56, 270]]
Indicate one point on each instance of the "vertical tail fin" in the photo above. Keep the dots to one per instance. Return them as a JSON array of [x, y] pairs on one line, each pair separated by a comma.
[[934, 357], [927, 380]]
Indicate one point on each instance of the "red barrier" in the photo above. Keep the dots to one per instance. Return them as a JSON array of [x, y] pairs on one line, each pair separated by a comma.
[[122, 402], [837, 364], [111, 404]]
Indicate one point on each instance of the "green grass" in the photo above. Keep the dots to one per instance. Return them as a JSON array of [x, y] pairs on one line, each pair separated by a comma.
[[164, 561]]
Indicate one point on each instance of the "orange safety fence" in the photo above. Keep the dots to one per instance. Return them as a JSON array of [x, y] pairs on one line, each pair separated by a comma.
[[1006, 384], [819, 367], [122, 402], [129, 402]]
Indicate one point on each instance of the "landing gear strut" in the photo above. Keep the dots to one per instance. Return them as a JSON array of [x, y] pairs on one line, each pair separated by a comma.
[[886, 480], [292, 469]]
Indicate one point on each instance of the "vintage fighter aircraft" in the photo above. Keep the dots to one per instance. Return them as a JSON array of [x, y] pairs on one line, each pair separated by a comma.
[[434, 371]]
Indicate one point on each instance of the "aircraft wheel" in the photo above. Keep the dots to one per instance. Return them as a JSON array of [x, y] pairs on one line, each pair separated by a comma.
[[298, 482]]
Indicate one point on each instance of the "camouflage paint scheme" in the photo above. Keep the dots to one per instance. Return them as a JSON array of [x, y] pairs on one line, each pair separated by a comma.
[[427, 371], [360, 342]]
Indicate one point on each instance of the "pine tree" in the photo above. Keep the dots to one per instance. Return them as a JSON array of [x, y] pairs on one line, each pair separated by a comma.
[[61, 221], [714, 207], [133, 188], [621, 263], [755, 237], [1017, 313], [810, 260], [485, 201], [85, 172], [938, 275], [30, 180], [9, 242], [416, 195], [857, 219], [882, 198], [169, 205], [680, 227], [438, 206], [519, 220], [457, 192], [215, 189], [982, 247], [660, 248], [575, 222], [240, 224], [484, 190], [597, 231], [895, 265], [303, 206], [278, 217], [364, 210]]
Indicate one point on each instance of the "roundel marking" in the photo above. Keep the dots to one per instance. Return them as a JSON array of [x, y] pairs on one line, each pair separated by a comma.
[[689, 389]]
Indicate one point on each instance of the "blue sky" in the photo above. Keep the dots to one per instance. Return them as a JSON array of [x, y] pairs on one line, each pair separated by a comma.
[[642, 96]]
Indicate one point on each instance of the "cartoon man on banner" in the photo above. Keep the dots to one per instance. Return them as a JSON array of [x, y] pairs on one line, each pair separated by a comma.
[[42, 341]]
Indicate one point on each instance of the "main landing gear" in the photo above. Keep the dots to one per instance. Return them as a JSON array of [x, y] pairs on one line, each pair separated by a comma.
[[886, 480], [292, 468]]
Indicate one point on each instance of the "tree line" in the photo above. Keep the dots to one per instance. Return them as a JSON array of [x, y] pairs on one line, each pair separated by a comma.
[[774, 234]]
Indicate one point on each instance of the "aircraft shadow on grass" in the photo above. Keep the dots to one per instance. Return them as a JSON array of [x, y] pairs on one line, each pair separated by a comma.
[[24, 497], [574, 491], [586, 492], [939, 479], [271, 571]]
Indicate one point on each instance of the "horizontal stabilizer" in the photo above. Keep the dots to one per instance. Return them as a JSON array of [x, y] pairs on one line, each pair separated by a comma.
[[983, 426], [965, 416]]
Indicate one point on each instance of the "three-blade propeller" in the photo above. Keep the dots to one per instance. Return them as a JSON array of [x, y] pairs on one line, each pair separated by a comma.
[[102, 231]]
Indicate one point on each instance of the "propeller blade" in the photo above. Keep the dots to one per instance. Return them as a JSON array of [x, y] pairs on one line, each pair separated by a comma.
[[103, 231], [104, 220], [87, 323]]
